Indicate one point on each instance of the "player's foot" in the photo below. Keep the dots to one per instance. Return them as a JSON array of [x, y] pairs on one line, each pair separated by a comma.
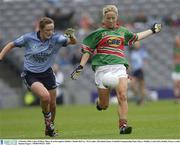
[[125, 130], [140, 102], [98, 107], [177, 101], [49, 125], [50, 131]]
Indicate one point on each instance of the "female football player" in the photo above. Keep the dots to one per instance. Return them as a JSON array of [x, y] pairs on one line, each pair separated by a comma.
[[106, 46], [40, 50], [176, 71]]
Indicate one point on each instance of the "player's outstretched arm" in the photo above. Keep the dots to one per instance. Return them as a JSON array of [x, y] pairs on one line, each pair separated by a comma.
[[70, 34], [77, 71], [6, 49], [156, 28]]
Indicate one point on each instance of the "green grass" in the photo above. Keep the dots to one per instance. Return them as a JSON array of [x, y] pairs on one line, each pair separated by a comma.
[[154, 120]]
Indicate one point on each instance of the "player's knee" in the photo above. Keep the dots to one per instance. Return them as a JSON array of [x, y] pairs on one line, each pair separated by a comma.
[[122, 96], [45, 97], [45, 100]]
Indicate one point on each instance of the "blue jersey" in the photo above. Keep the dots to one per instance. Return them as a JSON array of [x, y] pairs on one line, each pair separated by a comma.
[[137, 58], [39, 56]]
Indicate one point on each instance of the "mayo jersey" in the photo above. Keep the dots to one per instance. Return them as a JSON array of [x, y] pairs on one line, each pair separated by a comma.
[[107, 46], [177, 60], [39, 56]]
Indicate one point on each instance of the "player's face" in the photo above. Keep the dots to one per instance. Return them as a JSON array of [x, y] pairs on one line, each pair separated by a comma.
[[110, 20], [47, 31]]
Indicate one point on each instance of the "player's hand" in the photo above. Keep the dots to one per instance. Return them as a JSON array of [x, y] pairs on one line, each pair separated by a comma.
[[69, 33], [156, 28], [76, 73]]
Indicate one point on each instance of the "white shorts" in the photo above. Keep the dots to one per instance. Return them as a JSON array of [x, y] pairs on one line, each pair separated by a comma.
[[118, 70], [176, 76]]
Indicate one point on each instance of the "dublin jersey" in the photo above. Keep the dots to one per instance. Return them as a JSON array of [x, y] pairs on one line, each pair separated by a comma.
[[39, 56], [107, 46], [137, 58]]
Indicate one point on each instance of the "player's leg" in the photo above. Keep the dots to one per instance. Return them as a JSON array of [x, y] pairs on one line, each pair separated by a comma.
[[53, 104], [37, 86], [32, 82], [49, 82], [121, 91], [51, 131], [38, 89], [134, 86], [103, 92], [142, 91], [177, 90], [103, 99], [45, 99]]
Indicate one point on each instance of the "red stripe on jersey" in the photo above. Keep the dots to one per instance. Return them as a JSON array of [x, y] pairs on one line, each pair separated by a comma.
[[132, 39], [103, 40], [111, 52], [86, 48]]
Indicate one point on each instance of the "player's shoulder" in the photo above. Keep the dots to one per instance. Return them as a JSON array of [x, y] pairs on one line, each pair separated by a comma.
[[30, 35], [122, 28], [56, 35], [95, 33], [26, 36]]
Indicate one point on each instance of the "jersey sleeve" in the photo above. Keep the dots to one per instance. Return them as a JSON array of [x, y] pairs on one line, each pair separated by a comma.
[[61, 39], [89, 43], [130, 37], [21, 41]]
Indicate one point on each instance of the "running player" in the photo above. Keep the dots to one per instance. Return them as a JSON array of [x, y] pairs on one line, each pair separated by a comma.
[[40, 50], [138, 57]]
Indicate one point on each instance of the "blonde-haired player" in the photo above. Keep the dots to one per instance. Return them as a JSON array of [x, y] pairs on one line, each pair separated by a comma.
[[106, 46]]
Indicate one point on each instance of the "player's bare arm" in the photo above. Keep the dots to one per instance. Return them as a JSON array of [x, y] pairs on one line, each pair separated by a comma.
[[6, 49], [75, 74], [155, 29], [84, 59]]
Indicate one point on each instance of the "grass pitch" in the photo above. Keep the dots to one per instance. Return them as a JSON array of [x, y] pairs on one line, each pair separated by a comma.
[[154, 120]]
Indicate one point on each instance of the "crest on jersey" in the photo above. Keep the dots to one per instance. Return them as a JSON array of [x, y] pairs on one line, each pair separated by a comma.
[[113, 41]]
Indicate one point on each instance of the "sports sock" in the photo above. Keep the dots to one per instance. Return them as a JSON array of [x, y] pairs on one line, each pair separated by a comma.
[[122, 122], [47, 114]]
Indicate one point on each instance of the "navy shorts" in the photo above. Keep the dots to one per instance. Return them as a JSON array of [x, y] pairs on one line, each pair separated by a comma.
[[139, 74], [47, 78]]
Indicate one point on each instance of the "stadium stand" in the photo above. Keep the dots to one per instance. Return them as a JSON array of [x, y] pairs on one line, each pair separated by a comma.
[[19, 17]]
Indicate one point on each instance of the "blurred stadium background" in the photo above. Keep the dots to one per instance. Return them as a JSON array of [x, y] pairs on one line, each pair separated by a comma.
[[20, 16]]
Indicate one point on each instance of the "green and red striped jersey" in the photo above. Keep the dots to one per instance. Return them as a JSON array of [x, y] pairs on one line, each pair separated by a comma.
[[177, 60], [107, 46]]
